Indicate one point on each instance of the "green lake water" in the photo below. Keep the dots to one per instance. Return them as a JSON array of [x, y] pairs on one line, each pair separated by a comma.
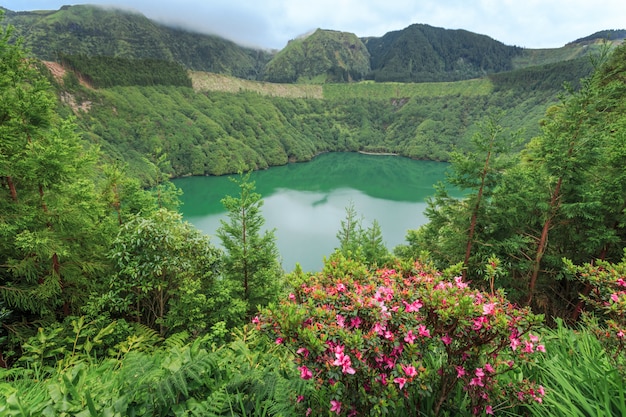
[[306, 202]]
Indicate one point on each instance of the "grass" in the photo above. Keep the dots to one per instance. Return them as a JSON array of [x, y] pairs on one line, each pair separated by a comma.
[[579, 377], [205, 81], [391, 90]]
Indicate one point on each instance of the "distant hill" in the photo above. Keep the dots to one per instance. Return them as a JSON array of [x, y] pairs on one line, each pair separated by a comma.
[[418, 53], [425, 53], [96, 31], [604, 35], [329, 56]]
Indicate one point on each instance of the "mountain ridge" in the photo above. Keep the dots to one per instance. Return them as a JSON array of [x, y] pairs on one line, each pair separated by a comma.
[[417, 53]]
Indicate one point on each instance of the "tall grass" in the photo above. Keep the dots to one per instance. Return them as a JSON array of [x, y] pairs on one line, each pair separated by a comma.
[[579, 377]]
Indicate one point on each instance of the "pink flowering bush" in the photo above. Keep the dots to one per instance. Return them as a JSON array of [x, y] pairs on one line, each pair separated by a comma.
[[606, 300], [403, 341]]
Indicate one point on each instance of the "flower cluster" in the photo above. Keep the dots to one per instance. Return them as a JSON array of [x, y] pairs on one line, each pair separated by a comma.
[[606, 288], [388, 339]]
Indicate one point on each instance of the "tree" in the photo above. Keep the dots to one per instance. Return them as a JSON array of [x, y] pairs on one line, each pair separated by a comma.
[[349, 234], [374, 250], [53, 227], [251, 264], [165, 274], [479, 171]]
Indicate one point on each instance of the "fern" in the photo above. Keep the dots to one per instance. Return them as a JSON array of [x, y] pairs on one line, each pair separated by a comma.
[[144, 339], [215, 405], [177, 340]]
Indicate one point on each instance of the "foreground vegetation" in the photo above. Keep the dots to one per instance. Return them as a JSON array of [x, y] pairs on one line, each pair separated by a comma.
[[111, 305]]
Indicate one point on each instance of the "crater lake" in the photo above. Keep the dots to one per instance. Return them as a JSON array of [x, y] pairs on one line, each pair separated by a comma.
[[306, 202]]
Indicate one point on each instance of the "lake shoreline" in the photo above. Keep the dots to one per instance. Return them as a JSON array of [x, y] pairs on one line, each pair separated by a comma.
[[379, 153]]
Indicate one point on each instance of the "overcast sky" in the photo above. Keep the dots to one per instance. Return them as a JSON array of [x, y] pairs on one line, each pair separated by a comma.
[[272, 23]]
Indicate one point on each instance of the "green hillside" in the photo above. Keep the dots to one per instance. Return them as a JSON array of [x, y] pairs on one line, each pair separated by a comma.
[[418, 53], [216, 132], [324, 56], [151, 93], [425, 53], [96, 31]]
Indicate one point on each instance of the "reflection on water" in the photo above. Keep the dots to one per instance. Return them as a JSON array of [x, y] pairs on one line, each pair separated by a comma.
[[306, 202]]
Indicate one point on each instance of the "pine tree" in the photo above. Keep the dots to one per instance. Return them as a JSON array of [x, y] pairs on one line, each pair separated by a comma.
[[350, 232], [251, 262], [374, 250], [52, 233]]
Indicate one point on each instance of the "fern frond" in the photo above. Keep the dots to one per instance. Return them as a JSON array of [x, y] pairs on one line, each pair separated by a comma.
[[177, 340], [216, 405]]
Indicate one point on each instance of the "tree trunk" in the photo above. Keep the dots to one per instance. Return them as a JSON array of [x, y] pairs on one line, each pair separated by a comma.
[[12, 189], [470, 236], [543, 240], [245, 271]]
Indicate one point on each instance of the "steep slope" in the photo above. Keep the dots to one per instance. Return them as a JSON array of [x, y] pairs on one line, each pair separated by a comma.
[[324, 56], [417, 53], [96, 31], [424, 53]]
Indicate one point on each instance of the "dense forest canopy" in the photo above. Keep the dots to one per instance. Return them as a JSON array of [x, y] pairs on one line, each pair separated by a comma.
[[509, 301]]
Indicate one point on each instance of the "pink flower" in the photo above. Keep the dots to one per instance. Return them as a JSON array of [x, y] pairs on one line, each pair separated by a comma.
[[303, 351], [541, 348], [300, 398], [409, 370], [279, 340], [528, 347], [400, 381], [478, 322], [355, 322], [479, 372], [292, 296], [344, 361], [460, 371], [615, 297], [621, 282], [459, 282], [514, 343], [308, 412], [341, 320], [340, 287], [390, 363], [533, 338], [488, 410], [414, 307], [305, 373], [423, 331], [620, 334], [383, 379], [379, 328], [489, 308], [410, 337], [489, 368], [477, 381], [335, 406], [446, 340]]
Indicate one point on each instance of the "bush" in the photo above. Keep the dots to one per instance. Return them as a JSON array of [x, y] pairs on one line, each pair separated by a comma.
[[403, 342]]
